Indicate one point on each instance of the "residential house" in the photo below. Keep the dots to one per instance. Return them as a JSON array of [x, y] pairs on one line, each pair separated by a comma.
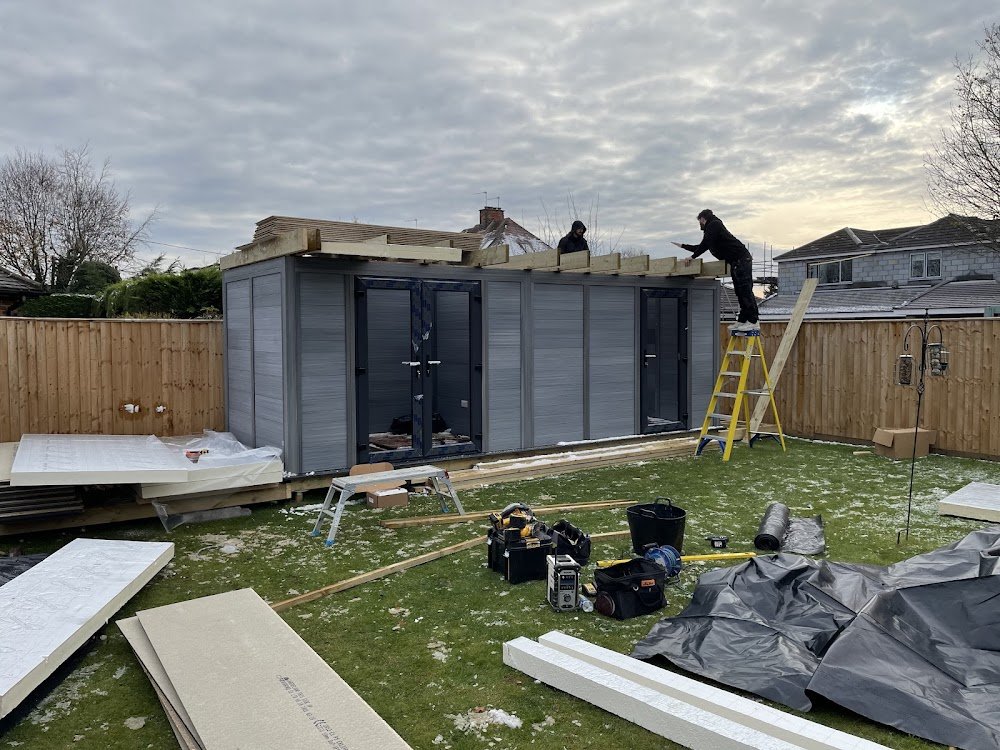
[[15, 289], [496, 229], [949, 267]]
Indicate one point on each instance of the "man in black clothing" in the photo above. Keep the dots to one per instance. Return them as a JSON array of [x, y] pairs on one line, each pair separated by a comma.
[[720, 242], [574, 241]]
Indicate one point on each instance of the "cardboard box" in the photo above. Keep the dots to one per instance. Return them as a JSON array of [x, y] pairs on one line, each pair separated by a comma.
[[898, 442], [387, 498]]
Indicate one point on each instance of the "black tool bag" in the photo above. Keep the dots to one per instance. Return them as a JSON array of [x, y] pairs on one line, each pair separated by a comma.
[[630, 589], [569, 540]]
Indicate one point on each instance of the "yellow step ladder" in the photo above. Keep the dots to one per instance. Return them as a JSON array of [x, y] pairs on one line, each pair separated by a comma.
[[745, 344]]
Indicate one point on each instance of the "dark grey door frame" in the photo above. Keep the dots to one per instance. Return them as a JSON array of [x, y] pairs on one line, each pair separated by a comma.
[[423, 347], [646, 346]]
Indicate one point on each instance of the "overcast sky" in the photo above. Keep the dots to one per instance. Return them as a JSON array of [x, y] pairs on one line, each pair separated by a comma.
[[789, 119]]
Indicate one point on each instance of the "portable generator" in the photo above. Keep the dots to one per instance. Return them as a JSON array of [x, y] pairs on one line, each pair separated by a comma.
[[563, 582]]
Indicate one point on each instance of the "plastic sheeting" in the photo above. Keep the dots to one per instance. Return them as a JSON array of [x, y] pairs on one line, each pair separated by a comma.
[[779, 531], [12, 567], [915, 645]]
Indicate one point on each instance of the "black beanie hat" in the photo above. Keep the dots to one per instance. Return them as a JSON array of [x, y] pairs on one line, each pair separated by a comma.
[[706, 214]]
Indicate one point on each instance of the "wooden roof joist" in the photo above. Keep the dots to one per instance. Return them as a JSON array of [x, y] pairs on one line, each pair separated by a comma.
[[303, 240]]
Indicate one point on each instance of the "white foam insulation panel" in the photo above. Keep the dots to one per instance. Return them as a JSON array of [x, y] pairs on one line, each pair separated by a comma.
[[50, 610], [775, 722], [95, 459], [976, 500], [676, 720]]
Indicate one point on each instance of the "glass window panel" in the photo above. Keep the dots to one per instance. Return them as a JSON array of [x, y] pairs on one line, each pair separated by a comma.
[[917, 266], [846, 270], [830, 273], [933, 269]]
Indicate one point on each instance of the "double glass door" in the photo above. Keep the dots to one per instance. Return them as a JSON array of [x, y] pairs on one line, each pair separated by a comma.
[[663, 366], [419, 368]]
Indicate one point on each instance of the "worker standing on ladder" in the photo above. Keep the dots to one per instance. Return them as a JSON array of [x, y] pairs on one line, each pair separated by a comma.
[[720, 242]]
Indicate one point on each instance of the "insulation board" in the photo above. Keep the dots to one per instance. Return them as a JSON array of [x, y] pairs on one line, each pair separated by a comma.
[[248, 680], [95, 459], [236, 476], [975, 500], [668, 717], [49, 611], [780, 724], [7, 451]]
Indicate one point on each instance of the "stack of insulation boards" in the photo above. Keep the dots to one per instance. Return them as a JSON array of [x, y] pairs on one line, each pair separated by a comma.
[[691, 713], [50, 610], [160, 467], [246, 679]]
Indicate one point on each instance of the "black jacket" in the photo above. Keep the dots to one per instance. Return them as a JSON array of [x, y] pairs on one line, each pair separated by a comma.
[[720, 242], [573, 244]]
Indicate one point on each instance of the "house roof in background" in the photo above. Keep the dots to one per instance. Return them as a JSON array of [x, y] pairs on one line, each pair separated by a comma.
[[840, 301], [508, 232], [958, 295], [12, 283], [947, 231]]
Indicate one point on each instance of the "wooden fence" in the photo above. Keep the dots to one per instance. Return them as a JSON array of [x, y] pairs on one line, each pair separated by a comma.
[[75, 376], [839, 382]]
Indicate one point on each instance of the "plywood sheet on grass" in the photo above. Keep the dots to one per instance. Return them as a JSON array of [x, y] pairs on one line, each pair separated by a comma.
[[975, 500], [248, 680], [95, 459], [49, 611]]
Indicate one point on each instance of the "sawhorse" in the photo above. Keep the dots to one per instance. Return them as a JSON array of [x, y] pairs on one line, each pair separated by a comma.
[[348, 486]]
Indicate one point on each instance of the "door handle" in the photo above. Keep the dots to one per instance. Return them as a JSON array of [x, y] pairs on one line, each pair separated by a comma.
[[649, 356], [411, 364], [434, 361]]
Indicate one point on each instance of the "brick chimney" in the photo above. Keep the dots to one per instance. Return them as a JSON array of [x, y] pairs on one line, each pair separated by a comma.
[[488, 215]]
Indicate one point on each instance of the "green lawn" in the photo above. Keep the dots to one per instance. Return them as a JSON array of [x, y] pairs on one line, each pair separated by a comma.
[[424, 647]]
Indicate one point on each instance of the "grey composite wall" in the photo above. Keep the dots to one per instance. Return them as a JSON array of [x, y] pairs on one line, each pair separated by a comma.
[[703, 360], [503, 366], [560, 354], [322, 374], [557, 407], [611, 358]]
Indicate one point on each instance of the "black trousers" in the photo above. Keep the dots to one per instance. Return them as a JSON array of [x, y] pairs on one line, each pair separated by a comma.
[[742, 273]]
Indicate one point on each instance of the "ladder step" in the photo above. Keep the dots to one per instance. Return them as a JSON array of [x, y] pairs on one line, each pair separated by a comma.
[[727, 417], [725, 394], [759, 392], [766, 432], [731, 373]]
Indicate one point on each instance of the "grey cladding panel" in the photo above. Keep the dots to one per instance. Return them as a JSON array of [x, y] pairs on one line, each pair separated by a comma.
[[612, 357], [323, 372], [704, 342], [503, 384], [557, 388], [269, 403], [239, 365]]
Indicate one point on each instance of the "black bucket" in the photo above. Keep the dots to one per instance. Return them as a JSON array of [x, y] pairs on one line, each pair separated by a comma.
[[656, 523]]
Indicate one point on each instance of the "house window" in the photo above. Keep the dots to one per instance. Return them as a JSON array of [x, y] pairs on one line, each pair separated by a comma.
[[831, 272], [925, 265]]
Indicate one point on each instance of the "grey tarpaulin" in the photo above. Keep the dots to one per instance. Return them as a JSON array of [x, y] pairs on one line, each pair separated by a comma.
[[915, 645], [12, 567], [779, 531]]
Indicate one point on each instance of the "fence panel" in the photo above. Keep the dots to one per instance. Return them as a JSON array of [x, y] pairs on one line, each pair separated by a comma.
[[75, 376], [839, 382]]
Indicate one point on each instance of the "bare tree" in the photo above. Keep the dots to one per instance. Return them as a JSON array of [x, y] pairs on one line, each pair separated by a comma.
[[57, 214], [963, 170], [554, 223]]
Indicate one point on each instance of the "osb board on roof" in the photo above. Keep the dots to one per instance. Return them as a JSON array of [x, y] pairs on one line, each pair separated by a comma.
[[95, 459], [977, 500], [248, 680], [348, 231], [51, 610]]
